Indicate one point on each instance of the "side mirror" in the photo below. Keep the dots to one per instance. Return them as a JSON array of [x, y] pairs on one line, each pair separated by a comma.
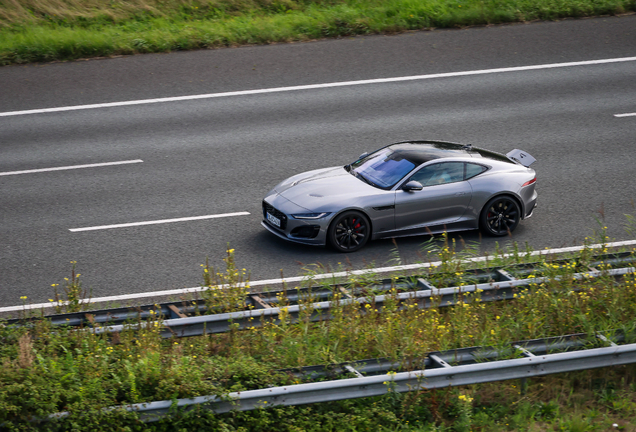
[[363, 155], [412, 186]]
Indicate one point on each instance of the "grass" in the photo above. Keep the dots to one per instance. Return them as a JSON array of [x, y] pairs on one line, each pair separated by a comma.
[[51, 30], [44, 371]]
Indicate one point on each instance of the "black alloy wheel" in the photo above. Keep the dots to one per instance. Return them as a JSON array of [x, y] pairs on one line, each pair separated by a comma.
[[349, 231], [500, 216]]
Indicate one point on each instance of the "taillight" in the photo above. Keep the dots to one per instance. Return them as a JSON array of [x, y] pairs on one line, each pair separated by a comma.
[[529, 182]]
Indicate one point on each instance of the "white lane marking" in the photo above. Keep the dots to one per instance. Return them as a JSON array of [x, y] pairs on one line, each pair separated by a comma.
[[155, 222], [625, 115], [345, 274], [70, 167], [319, 86]]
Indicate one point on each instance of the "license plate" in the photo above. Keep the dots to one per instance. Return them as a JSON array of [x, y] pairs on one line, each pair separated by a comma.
[[274, 220]]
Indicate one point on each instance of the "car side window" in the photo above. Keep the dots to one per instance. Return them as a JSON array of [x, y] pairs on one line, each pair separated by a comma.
[[474, 169], [440, 173]]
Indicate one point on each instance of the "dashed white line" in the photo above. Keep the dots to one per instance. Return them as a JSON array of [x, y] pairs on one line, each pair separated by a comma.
[[626, 115], [155, 222], [72, 167], [320, 86]]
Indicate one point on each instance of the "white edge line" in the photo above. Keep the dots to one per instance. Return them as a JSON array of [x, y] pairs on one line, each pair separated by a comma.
[[162, 221], [303, 278], [71, 167], [625, 115], [320, 86]]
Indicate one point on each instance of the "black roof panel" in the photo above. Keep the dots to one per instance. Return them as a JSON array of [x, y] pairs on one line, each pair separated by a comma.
[[420, 152]]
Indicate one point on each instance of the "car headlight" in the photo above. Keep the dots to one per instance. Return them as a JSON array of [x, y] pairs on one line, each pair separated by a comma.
[[310, 216]]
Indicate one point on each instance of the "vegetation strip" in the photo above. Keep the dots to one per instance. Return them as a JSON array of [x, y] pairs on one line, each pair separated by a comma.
[[49, 30], [46, 370]]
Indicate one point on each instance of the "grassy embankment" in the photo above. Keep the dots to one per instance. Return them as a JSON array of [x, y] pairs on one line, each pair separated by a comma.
[[43, 372], [49, 30]]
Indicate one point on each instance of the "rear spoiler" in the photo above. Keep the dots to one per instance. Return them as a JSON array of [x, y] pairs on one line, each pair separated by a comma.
[[522, 157]]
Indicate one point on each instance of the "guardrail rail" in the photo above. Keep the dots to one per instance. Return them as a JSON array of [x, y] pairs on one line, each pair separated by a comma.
[[458, 367], [187, 319]]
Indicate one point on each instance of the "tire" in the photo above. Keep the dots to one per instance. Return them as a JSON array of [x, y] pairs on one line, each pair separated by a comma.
[[349, 231], [500, 216]]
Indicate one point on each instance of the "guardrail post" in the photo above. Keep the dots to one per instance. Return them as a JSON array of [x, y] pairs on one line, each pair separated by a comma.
[[523, 384]]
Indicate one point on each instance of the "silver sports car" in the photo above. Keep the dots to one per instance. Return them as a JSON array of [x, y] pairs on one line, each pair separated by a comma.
[[407, 188]]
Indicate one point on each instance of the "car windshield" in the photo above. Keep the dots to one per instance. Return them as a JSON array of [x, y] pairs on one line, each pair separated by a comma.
[[382, 169]]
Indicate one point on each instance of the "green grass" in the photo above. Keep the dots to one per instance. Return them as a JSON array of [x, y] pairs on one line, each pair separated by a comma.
[[44, 371], [49, 30]]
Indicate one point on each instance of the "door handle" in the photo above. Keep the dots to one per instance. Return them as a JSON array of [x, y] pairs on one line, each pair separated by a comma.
[[460, 193]]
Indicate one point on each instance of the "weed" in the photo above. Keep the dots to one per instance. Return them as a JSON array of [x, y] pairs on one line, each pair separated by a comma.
[[224, 292], [75, 298]]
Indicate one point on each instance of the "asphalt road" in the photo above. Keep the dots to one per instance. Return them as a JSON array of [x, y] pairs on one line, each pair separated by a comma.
[[221, 155]]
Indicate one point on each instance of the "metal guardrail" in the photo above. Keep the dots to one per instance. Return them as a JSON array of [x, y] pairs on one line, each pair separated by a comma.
[[456, 357], [219, 323], [501, 285], [257, 299], [443, 369]]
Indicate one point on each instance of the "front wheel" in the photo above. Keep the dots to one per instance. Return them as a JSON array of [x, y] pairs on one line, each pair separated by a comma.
[[500, 216], [349, 231]]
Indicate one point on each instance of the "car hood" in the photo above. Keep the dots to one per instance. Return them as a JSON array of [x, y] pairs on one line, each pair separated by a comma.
[[317, 190]]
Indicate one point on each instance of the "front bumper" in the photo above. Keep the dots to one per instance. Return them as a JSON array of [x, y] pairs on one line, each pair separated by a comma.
[[310, 232]]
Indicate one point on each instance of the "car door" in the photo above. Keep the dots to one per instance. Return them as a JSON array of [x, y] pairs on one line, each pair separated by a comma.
[[443, 198]]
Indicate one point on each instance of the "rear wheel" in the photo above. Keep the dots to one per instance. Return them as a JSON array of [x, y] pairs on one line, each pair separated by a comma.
[[500, 216], [349, 231]]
